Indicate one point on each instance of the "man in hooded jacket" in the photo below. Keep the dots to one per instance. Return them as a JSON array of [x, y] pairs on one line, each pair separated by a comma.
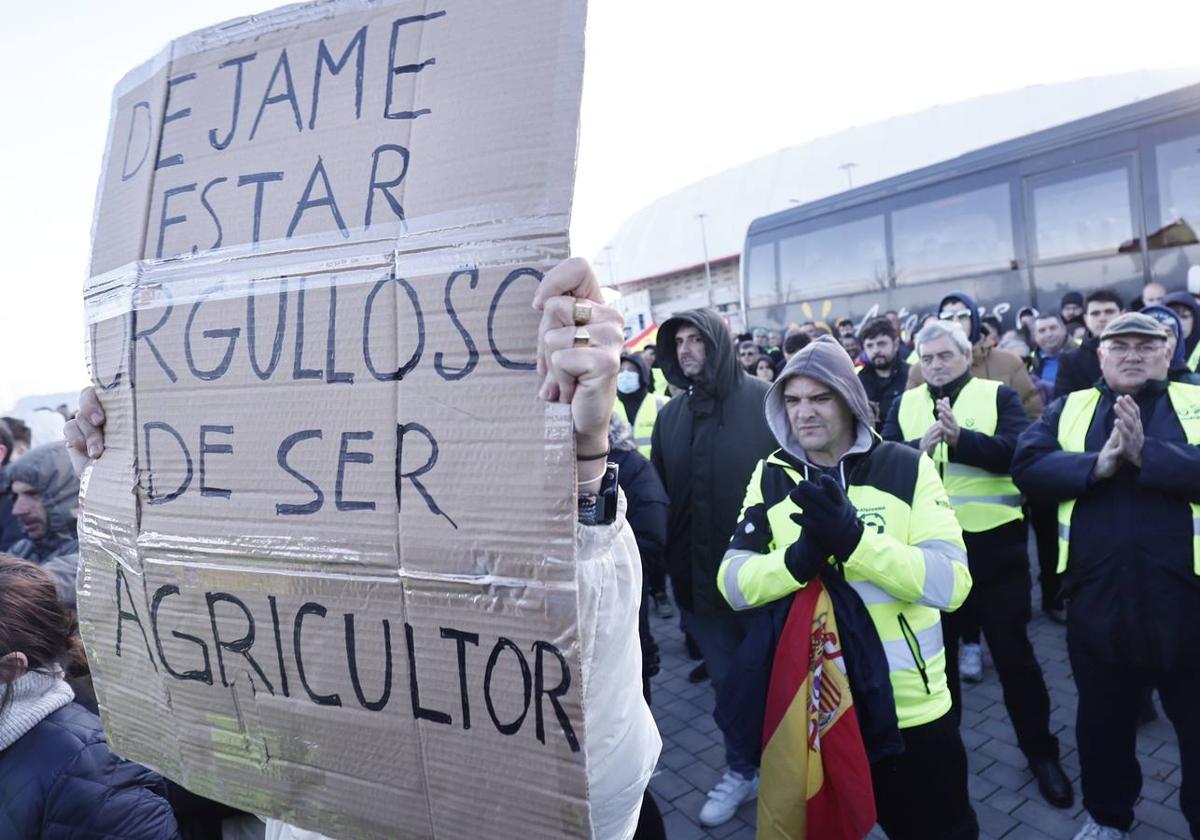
[[637, 404], [986, 362], [1178, 370], [1184, 305], [47, 494], [705, 446], [835, 494]]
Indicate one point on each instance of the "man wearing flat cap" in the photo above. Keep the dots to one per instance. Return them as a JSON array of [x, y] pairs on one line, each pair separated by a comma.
[[1122, 462]]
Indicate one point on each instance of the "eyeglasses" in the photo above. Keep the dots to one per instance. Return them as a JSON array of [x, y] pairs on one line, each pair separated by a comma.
[[1142, 351], [955, 316]]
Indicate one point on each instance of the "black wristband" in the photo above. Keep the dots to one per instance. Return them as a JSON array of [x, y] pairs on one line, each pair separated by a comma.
[[596, 457]]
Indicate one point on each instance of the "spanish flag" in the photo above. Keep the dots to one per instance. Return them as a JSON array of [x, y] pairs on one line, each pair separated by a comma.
[[815, 780], [646, 336]]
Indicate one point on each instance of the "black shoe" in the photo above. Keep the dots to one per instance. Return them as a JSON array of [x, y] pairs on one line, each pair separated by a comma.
[[1053, 783], [699, 674]]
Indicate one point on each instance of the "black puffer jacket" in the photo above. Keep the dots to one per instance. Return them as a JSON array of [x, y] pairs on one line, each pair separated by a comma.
[[1078, 368], [59, 781], [705, 447]]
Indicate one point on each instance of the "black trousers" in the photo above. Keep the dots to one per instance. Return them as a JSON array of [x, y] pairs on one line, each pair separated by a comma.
[[656, 578], [1106, 731], [1044, 519], [1002, 607], [650, 822], [922, 794]]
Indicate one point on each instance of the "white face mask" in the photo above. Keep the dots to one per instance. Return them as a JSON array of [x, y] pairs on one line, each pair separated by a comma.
[[628, 382]]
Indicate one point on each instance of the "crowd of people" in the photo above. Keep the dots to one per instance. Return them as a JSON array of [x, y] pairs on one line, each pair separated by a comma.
[[778, 412], [902, 471]]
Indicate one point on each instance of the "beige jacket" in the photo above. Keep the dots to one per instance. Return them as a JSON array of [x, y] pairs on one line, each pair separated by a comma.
[[1002, 366]]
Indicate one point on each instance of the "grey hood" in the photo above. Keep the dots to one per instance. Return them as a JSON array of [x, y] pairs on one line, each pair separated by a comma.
[[48, 469], [826, 361]]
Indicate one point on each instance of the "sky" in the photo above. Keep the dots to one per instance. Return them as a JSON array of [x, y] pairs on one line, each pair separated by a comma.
[[674, 90]]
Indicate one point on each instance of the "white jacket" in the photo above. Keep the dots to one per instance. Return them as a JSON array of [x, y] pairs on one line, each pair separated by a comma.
[[621, 744]]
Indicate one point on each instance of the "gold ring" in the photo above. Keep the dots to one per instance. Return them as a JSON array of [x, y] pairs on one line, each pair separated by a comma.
[[582, 338], [582, 312]]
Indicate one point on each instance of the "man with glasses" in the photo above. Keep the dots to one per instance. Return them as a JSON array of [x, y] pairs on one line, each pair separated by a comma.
[[1121, 459], [987, 362], [1079, 369], [748, 354]]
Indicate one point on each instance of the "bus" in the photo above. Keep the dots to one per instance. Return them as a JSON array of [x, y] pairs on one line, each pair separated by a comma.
[[1109, 200]]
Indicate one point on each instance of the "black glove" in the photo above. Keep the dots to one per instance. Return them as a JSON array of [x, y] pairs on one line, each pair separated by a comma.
[[828, 515], [805, 558]]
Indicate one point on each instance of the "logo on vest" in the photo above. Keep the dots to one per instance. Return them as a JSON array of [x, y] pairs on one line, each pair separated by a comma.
[[969, 422], [874, 519]]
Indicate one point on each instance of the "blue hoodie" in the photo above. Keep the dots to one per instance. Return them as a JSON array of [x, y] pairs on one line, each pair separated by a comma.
[[1178, 371], [969, 302], [1188, 300]]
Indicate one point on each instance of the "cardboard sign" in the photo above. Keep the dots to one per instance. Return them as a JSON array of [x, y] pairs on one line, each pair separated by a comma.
[[327, 558]]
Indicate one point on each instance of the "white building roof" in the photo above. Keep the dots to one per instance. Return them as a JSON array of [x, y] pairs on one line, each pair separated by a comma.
[[665, 236]]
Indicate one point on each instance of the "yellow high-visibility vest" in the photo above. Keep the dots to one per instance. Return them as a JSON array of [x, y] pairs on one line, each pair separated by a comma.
[[1073, 426], [660, 381], [1194, 359], [908, 527], [643, 424], [982, 500]]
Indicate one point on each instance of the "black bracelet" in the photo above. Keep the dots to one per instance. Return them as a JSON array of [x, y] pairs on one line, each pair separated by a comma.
[[597, 457]]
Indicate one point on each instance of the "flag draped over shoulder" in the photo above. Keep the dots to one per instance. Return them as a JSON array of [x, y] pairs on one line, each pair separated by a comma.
[[815, 780]]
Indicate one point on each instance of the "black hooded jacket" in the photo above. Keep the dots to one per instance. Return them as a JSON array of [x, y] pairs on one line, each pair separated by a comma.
[[705, 447], [633, 402]]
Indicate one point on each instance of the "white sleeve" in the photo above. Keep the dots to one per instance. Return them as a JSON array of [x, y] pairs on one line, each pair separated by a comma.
[[621, 740]]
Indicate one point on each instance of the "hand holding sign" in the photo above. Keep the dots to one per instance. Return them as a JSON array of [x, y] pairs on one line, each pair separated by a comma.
[[584, 376], [85, 433]]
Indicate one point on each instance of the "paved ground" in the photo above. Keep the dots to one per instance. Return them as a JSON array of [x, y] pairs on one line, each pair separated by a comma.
[[1004, 793]]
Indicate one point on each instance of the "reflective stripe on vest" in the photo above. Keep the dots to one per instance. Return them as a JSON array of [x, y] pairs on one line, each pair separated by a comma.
[[643, 426], [911, 633], [1077, 414], [1194, 359], [982, 500]]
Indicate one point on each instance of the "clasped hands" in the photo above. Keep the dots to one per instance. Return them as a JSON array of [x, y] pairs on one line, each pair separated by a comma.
[[1126, 440], [945, 430]]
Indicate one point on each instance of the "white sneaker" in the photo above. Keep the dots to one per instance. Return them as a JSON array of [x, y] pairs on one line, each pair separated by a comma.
[[970, 663], [724, 799], [1092, 830]]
